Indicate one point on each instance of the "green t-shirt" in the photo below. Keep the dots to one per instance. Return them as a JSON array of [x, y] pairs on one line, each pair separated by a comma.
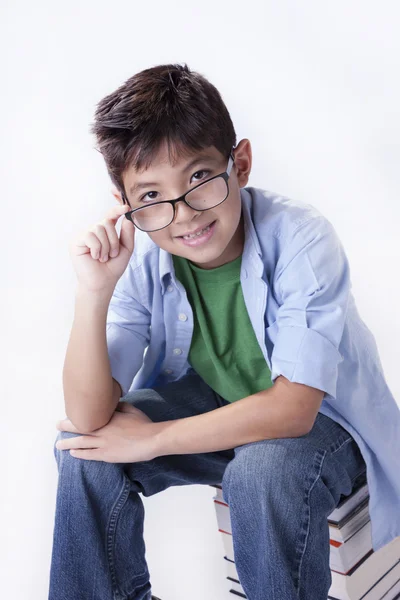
[[224, 349]]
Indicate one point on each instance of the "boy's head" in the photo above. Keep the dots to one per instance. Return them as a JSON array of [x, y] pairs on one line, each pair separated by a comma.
[[161, 133]]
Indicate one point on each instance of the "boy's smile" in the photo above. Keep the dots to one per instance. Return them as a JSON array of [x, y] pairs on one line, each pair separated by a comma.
[[208, 238], [198, 236]]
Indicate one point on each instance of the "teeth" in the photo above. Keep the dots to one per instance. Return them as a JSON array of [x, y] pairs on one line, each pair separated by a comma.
[[193, 235]]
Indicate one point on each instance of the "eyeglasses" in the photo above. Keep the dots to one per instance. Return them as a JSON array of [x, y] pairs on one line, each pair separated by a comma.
[[206, 195]]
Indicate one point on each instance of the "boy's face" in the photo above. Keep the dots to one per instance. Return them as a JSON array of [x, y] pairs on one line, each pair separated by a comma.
[[223, 241]]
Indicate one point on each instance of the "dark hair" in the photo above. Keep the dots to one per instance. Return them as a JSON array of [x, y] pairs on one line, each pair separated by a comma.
[[164, 103]]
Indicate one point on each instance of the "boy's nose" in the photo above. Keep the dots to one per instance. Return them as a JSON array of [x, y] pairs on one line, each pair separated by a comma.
[[184, 213]]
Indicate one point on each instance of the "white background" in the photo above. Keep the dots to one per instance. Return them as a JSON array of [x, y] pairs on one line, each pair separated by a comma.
[[313, 85]]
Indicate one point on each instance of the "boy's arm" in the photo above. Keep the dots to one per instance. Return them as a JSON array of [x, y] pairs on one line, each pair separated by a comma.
[[106, 333], [89, 392], [285, 410], [312, 283]]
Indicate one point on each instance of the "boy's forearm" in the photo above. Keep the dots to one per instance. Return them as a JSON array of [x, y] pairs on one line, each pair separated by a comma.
[[258, 417], [87, 380]]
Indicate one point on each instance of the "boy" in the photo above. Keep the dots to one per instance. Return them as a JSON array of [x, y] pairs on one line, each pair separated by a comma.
[[223, 317]]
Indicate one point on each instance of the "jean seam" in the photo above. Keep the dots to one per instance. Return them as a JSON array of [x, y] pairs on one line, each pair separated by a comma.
[[364, 470], [324, 453], [346, 441], [110, 538]]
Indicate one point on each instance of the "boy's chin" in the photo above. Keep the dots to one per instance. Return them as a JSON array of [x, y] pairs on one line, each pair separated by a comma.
[[207, 260], [198, 256]]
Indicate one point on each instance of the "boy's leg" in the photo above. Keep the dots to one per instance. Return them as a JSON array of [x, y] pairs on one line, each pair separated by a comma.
[[280, 493], [98, 546]]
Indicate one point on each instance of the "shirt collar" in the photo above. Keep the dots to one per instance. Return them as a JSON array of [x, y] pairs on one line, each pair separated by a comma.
[[251, 251]]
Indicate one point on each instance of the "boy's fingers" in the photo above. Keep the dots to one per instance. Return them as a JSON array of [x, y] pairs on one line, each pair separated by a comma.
[[127, 234], [116, 211]]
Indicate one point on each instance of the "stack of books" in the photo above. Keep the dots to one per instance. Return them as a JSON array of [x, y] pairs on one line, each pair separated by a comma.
[[357, 571]]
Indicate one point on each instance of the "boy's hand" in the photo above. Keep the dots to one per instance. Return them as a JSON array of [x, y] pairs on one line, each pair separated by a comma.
[[130, 436], [87, 251]]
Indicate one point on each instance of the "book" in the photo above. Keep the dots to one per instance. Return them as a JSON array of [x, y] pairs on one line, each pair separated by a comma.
[[367, 574], [344, 554], [393, 592], [342, 530], [357, 571], [348, 503], [385, 587]]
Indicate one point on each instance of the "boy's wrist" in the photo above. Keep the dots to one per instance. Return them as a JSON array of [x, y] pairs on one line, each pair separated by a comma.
[[159, 448], [93, 296]]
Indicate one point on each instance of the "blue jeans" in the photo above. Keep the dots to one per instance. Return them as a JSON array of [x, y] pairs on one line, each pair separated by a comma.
[[280, 493]]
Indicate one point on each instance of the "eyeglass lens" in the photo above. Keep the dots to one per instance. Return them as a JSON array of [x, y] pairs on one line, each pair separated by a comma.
[[205, 196]]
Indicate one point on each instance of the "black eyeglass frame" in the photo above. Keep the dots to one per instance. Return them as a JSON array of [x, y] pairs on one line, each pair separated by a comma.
[[225, 176]]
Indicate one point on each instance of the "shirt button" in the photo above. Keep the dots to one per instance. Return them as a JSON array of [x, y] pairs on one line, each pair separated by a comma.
[[168, 371], [177, 351], [182, 317], [170, 288]]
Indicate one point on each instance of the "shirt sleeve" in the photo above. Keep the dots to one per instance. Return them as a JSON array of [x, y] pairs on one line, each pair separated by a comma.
[[127, 331], [312, 280]]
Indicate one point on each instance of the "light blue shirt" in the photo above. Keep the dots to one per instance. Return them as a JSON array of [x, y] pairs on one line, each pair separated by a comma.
[[296, 285]]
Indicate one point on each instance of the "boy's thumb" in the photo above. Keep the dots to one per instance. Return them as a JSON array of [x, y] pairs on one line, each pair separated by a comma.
[[127, 234]]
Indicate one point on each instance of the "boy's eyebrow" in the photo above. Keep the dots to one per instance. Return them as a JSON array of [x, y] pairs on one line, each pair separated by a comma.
[[199, 159]]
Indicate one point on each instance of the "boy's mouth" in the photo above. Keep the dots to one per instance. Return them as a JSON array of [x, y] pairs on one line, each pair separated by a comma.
[[198, 236]]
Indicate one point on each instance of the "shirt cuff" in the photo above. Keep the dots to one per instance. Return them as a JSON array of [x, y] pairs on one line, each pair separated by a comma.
[[304, 356]]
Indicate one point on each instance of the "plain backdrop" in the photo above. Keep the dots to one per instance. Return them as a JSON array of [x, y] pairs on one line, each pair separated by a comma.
[[313, 85]]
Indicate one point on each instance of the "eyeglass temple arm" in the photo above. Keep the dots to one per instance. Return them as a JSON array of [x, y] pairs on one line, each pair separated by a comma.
[[124, 198], [230, 163]]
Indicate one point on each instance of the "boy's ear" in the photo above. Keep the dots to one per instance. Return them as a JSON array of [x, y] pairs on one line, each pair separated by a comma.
[[117, 195], [243, 160]]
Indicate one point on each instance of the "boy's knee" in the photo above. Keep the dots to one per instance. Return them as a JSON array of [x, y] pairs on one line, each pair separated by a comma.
[[267, 464], [62, 435]]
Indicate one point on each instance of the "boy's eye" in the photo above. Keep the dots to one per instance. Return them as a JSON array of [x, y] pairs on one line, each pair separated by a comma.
[[152, 196], [203, 172], [149, 197]]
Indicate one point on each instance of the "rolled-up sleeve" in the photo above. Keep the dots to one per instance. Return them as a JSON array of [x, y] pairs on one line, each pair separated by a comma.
[[312, 282], [127, 331]]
